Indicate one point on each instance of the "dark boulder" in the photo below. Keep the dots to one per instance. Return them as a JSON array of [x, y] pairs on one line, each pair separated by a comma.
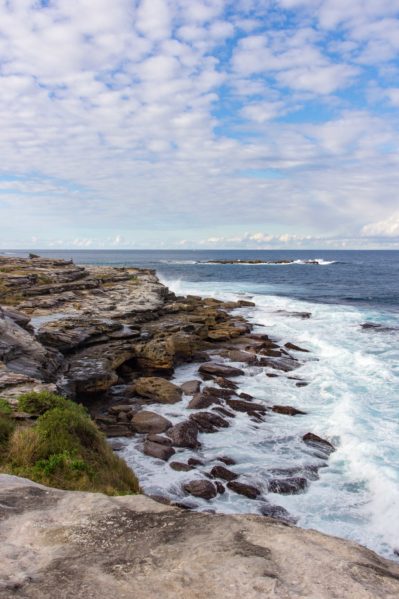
[[149, 422], [156, 450], [180, 466], [287, 486], [318, 443], [244, 406], [201, 401], [184, 434], [214, 369], [208, 422], [287, 410], [243, 489], [201, 488], [277, 512], [224, 473], [190, 387], [295, 347]]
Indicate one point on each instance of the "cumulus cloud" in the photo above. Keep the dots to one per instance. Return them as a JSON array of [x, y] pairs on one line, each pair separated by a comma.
[[128, 125]]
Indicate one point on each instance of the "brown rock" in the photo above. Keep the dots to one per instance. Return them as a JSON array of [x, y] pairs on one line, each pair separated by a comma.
[[316, 441], [244, 406], [243, 489], [277, 512], [180, 466], [195, 462], [224, 383], [201, 488], [156, 450], [150, 422], [222, 472], [158, 390], [184, 434], [159, 439], [287, 410], [201, 401], [287, 486], [227, 460], [208, 422], [236, 355], [220, 487], [212, 368], [191, 387], [295, 347], [224, 412]]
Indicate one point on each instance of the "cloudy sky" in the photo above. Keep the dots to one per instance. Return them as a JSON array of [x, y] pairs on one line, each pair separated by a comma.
[[199, 123]]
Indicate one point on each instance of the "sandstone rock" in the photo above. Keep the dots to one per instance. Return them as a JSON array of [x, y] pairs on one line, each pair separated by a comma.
[[217, 392], [317, 442], [201, 488], [158, 390], [243, 489], [180, 466], [159, 439], [184, 434], [287, 410], [156, 355], [207, 422], [222, 472], [87, 545], [201, 401], [212, 368], [287, 486], [295, 347], [149, 422], [191, 387], [277, 512], [156, 450], [245, 406]]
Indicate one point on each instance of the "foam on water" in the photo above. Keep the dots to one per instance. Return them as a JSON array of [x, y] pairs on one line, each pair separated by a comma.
[[351, 399]]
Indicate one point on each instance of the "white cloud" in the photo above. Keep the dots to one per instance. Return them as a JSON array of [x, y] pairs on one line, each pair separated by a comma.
[[384, 228]]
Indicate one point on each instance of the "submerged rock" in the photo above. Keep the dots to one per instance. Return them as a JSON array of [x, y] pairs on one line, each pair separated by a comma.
[[222, 472], [243, 489], [201, 488], [207, 422], [287, 410], [214, 369], [287, 486], [317, 442], [184, 434]]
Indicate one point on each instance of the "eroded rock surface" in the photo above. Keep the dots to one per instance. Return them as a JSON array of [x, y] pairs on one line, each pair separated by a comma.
[[89, 546]]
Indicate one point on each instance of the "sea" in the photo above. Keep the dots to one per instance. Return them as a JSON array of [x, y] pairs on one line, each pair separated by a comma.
[[352, 370]]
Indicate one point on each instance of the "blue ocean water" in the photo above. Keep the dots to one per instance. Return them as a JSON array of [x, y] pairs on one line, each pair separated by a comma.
[[353, 374]]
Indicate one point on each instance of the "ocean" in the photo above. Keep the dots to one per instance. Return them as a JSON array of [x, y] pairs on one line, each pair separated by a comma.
[[352, 397]]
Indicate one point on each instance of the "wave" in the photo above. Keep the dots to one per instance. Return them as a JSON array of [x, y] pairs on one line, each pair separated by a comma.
[[310, 261]]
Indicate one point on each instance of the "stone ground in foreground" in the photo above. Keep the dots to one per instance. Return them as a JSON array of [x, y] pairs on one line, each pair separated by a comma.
[[61, 544]]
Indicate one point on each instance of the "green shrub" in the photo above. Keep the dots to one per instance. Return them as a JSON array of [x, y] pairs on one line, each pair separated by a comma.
[[39, 403], [7, 427], [5, 407], [65, 449]]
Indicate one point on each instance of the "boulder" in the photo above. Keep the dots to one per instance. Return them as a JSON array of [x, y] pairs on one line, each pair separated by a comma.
[[236, 355], [195, 462], [277, 512], [317, 442], [287, 486], [191, 387], [184, 434], [243, 489], [214, 369], [226, 460], [207, 422], [201, 401], [222, 472], [149, 422], [201, 488], [245, 406], [158, 390], [224, 383], [159, 439], [156, 354], [224, 412], [156, 450], [287, 410], [180, 466], [295, 347]]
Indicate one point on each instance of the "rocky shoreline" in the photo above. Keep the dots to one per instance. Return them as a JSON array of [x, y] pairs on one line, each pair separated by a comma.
[[112, 339]]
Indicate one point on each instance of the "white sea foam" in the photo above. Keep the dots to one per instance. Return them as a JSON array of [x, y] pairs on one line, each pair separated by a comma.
[[351, 399]]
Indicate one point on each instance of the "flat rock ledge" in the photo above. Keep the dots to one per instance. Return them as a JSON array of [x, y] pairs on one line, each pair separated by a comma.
[[87, 545]]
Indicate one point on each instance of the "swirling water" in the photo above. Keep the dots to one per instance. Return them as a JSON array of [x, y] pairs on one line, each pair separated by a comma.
[[353, 373]]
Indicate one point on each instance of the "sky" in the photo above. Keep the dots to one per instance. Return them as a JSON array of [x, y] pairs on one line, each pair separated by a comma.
[[199, 124]]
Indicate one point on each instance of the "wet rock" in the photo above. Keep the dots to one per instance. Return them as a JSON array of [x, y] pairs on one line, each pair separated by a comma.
[[116, 430], [303, 315], [246, 396], [201, 488], [244, 406], [301, 384], [180, 466], [195, 462], [158, 390], [226, 460], [201, 401], [160, 439], [118, 408], [287, 410], [212, 368], [156, 450], [243, 489], [149, 422], [207, 422], [236, 355], [184, 434], [191, 387], [224, 412], [295, 347], [317, 442], [287, 486], [224, 383], [220, 487], [283, 364], [217, 392], [222, 472], [277, 512]]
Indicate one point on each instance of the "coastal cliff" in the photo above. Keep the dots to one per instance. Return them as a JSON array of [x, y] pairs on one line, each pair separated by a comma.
[[111, 339]]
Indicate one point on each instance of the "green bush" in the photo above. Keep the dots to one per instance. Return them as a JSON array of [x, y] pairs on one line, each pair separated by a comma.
[[39, 403], [5, 407], [65, 449], [7, 427]]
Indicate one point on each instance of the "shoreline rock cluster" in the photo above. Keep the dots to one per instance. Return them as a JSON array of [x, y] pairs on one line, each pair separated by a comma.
[[111, 339]]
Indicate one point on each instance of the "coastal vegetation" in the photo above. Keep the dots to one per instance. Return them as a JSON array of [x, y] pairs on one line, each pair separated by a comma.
[[61, 448]]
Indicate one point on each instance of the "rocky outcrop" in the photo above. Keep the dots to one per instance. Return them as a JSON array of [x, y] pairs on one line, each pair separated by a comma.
[[82, 545], [158, 390]]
